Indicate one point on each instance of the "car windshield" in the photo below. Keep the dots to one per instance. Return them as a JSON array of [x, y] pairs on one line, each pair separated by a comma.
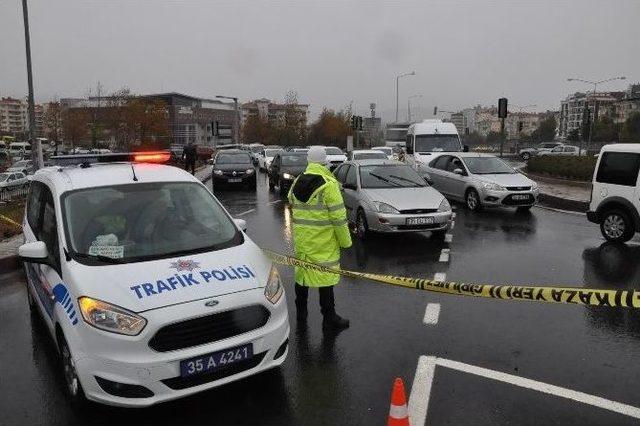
[[437, 143], [487, 166], [387, 151], [271, 152], [333, 151], [294, 160], [4, 177], [369, 156], [256, 149], [390, 176], [233, 159], [144, 221]]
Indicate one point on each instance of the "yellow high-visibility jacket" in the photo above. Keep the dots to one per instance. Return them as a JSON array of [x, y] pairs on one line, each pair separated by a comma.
[[319, 222]]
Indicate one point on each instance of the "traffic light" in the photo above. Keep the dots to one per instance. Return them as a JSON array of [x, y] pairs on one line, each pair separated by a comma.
[[359, 122], [502, 108], [435, 110], [354, 121]]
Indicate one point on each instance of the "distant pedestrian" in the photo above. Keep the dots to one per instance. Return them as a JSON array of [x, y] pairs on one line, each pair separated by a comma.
[[189, 155], [320, 231]]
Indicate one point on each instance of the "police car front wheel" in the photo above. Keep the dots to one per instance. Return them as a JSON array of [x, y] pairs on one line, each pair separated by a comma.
[[72, 382]]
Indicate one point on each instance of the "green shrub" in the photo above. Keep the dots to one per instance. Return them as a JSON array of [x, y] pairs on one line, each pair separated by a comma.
[[575, 168]]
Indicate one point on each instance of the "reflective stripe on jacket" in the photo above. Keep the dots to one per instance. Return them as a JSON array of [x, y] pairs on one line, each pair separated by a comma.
[[319, 222]]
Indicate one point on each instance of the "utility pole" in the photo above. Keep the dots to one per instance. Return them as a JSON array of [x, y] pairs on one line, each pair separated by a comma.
[[397, 90], [36, 149], [502, 114]]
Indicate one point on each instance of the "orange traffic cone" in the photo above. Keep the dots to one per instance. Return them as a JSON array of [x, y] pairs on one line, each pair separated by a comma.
[[398, 413]]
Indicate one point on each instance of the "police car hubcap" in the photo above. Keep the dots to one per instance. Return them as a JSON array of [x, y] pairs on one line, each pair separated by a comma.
[[69, 371]]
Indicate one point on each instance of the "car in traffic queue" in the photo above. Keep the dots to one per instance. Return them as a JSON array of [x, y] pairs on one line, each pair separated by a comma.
[[527, 153], [11, 181], [481, 180], [286, 166], [255, 149], [22, 166], [367, 154], [388, 151], [335, 156], [615, 192], [233, 168], [265, 159], [563, 150], [389, 196], [148, 287]]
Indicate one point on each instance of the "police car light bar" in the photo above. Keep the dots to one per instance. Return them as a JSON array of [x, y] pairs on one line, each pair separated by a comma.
[[119, 157]]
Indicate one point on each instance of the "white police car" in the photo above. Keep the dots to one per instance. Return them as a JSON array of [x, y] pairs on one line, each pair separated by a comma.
[[149, 288]]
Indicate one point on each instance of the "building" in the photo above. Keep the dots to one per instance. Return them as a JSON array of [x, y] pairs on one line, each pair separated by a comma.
[[460, 121], [572, 109], [487, 121], [372, 128], [13, 117], [518, 124], [621, 110], [189, 119], [273, 112]]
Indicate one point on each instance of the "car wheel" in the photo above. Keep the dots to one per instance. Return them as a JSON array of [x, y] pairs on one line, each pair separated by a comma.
[[362, 228], [523, 209], [473, 200], [616, 226], [526, 156], [72, 382]]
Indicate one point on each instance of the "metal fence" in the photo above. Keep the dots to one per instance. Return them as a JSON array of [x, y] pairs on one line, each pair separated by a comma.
[[8, 195]]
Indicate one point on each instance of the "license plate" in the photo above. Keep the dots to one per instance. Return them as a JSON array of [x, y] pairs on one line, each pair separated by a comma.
[[235, 180], [520, 197], [420, 220], [215, 360]]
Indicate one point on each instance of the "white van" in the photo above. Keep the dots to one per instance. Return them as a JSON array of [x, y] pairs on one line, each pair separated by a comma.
[[430, 138], [19, 149], [615, 195]]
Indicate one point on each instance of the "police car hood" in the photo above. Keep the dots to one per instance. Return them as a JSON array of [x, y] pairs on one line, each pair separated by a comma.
[[150, 285]]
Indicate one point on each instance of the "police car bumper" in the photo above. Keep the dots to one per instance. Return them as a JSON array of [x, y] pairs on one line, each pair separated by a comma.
[[391, 223], [126, 371]]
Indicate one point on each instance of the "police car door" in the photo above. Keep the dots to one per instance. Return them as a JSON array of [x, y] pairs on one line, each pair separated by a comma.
[[45, 279]]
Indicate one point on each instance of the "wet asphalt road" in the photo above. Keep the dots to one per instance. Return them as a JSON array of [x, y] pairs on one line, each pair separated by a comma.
[[346, 379]]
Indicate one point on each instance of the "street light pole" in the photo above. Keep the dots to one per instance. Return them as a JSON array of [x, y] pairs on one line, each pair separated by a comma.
[[36, 149], [595, 103], [397, 90]]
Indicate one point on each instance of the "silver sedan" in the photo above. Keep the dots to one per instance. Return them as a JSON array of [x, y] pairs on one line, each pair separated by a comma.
[[481, 180], [389, 196]]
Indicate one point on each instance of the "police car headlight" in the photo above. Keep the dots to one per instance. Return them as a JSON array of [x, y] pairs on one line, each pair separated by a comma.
[[217, 172], [111, 318], [534, 186], [274, 290], [385, 208], [249, 171], [444, 206]]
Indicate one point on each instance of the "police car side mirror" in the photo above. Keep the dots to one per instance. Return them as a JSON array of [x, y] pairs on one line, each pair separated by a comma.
[[35, 252], [459, 172], [241, 223]]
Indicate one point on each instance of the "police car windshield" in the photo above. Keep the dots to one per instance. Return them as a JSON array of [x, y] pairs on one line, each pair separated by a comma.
[[437, 143], [145, 221], [233, 159]]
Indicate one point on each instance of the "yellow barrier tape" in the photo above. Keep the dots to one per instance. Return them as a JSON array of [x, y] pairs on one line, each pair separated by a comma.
[[11, 221], [573, 295]]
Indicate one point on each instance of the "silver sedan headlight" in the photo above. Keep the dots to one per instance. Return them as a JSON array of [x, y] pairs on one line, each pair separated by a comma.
[[490, 186], [384, 208], [444, 206], [534, 186]]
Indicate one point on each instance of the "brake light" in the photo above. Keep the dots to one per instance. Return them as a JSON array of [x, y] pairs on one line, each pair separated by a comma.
[[152, 157]]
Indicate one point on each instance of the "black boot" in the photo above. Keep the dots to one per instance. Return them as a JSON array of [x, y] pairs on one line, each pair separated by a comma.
[[330, 321], [302, 294]]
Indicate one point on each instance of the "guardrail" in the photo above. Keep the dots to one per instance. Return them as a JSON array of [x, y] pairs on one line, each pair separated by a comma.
[[11, 194]]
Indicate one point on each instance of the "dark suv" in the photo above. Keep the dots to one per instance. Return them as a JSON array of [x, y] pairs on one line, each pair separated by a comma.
[[233, 167], [285, 167]]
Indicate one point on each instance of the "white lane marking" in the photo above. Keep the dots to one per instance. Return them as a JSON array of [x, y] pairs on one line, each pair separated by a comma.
[[444, 255], [274, 202], [440, 277], [431, 314], [243, 213], [448, 238], [421, 389]]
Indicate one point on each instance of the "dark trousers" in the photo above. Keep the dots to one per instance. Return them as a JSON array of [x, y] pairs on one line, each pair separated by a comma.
[[327, 301], [190, 165]]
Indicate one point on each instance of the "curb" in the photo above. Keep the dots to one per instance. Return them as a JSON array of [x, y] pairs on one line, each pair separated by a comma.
[[547, 179], [563, 203]]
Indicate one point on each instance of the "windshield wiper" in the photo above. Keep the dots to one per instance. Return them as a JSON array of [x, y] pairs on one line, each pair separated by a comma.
[[406, 180], [105, 259], [384, 179]]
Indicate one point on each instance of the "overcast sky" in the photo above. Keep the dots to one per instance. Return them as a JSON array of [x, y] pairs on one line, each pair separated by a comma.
[[331, 52]]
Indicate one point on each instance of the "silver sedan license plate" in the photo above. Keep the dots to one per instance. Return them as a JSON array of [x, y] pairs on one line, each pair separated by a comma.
[[520, 197], [420, 221]]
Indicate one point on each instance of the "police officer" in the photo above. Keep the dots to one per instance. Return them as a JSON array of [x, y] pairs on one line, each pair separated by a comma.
[[189, 154], [320, 230]]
